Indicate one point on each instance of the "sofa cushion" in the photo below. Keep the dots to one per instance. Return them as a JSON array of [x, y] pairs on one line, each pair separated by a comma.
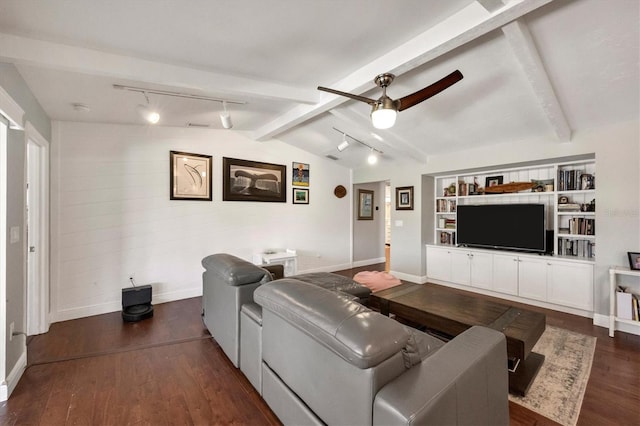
[[360, 336], [235, 271]]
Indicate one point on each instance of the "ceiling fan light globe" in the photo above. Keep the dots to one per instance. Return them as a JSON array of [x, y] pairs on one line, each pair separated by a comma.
[[383, 118]]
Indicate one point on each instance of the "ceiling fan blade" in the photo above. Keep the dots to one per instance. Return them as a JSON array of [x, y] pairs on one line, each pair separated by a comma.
[[348, 95], [429, 91]]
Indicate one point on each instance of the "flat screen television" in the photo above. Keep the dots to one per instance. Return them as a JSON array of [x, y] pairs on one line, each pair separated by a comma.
[[502, 226]]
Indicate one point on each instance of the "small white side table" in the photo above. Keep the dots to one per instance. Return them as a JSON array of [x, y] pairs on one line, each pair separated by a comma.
[[613, 273], [288, 258]]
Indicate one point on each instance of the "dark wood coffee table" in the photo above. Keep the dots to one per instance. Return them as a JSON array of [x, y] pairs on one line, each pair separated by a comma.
[[448, 314]]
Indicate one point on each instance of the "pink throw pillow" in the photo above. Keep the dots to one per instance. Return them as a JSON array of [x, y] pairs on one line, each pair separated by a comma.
[[376, 280]]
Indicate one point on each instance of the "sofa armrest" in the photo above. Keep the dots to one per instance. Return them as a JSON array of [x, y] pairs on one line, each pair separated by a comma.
[[464, 382]]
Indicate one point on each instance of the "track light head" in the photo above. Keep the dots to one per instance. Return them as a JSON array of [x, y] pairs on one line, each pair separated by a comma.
[[148, 114], [372, 158], [344, 144], [225, 117]]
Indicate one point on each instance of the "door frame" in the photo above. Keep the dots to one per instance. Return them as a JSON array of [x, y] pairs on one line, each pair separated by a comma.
[[37, 290]]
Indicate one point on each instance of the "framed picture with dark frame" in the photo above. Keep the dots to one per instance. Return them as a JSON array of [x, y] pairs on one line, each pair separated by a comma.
[[493, 181], [365, 204], [300, 196], [244, 180], [634, 260], [404, 198], [190, 176]]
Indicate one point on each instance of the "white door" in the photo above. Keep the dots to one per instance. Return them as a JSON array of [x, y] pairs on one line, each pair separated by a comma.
[[439, 263], [461, 267], [37, 308], [571, 284], [481, 270]]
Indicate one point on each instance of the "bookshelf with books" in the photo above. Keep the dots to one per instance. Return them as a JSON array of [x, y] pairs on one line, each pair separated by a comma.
[[624, 309]]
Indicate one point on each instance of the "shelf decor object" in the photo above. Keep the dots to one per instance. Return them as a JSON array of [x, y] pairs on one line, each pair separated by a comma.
[[340, 191], [190, 176], [509, 187], [404, 198], [634, 260]]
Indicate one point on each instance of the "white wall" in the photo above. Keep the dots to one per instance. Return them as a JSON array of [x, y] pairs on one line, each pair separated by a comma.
[[369, 235], [617, 151], [111, 214]]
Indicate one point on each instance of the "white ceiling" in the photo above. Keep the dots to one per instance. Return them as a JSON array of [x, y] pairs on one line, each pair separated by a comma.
[[532, 68]]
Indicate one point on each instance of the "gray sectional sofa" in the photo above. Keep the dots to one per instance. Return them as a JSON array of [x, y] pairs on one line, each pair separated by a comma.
[[318, 356]]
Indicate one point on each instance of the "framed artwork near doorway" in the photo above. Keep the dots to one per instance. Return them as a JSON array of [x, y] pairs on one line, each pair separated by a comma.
[[365, 204]]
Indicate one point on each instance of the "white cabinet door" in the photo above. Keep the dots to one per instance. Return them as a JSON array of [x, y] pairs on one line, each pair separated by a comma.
[[481, 270], [532, 278], [461, 267], [570, 284], [439, 263], [505, 273]]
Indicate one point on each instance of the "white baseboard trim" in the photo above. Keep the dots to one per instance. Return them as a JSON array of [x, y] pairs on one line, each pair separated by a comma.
[[14, 377], [603, 321], [114, 306], [409, 277], [367, 262]]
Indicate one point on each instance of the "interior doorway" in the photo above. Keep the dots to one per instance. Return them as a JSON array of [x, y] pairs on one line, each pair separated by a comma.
[[387, 226]]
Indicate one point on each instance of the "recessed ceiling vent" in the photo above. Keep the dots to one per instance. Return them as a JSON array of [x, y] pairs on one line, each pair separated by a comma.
[[204, 126], [332, 157]]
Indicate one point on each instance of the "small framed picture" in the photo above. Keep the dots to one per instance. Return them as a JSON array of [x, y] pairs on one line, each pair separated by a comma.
[[404, 198], [300, 196], [493, 181], [462, 189], [300, 174], [634, 260]]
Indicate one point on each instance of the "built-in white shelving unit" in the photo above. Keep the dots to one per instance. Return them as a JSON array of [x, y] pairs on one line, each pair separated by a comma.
[[567, 189]]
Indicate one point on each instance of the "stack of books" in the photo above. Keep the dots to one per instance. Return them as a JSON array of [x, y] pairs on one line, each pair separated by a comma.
[[569, 207]]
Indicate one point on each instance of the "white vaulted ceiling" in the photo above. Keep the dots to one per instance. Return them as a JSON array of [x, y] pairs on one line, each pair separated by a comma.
[[532, 69]]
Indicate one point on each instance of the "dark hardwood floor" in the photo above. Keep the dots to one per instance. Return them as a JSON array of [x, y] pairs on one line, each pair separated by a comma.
[[167, 370]]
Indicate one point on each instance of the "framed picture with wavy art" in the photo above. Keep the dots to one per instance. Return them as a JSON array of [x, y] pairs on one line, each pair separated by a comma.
[[190, 176]]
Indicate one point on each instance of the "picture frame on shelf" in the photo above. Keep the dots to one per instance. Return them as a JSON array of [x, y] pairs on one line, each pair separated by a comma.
[[634, 260], [493, 181], [365, 204], [404, 198], [300, 196], [190, 176], [245, 180]]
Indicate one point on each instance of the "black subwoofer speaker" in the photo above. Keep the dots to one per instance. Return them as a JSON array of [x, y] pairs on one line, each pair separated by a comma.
[[136, 303]]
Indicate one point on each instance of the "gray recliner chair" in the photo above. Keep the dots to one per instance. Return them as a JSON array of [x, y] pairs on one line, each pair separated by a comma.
[[228, 282]]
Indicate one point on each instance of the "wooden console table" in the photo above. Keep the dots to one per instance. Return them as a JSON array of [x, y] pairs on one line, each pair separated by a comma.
[[446, 313]]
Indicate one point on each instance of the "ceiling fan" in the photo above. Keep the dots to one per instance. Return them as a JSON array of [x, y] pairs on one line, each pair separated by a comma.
[[385, 109]]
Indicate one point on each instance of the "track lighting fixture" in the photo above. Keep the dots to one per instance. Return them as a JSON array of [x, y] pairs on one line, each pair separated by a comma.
[[372, 158], [154, 117], [373, 155], [147, 113], [225, 117], [344, 144]]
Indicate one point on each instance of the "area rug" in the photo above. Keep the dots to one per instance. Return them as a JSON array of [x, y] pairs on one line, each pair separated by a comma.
[[558, 390]]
